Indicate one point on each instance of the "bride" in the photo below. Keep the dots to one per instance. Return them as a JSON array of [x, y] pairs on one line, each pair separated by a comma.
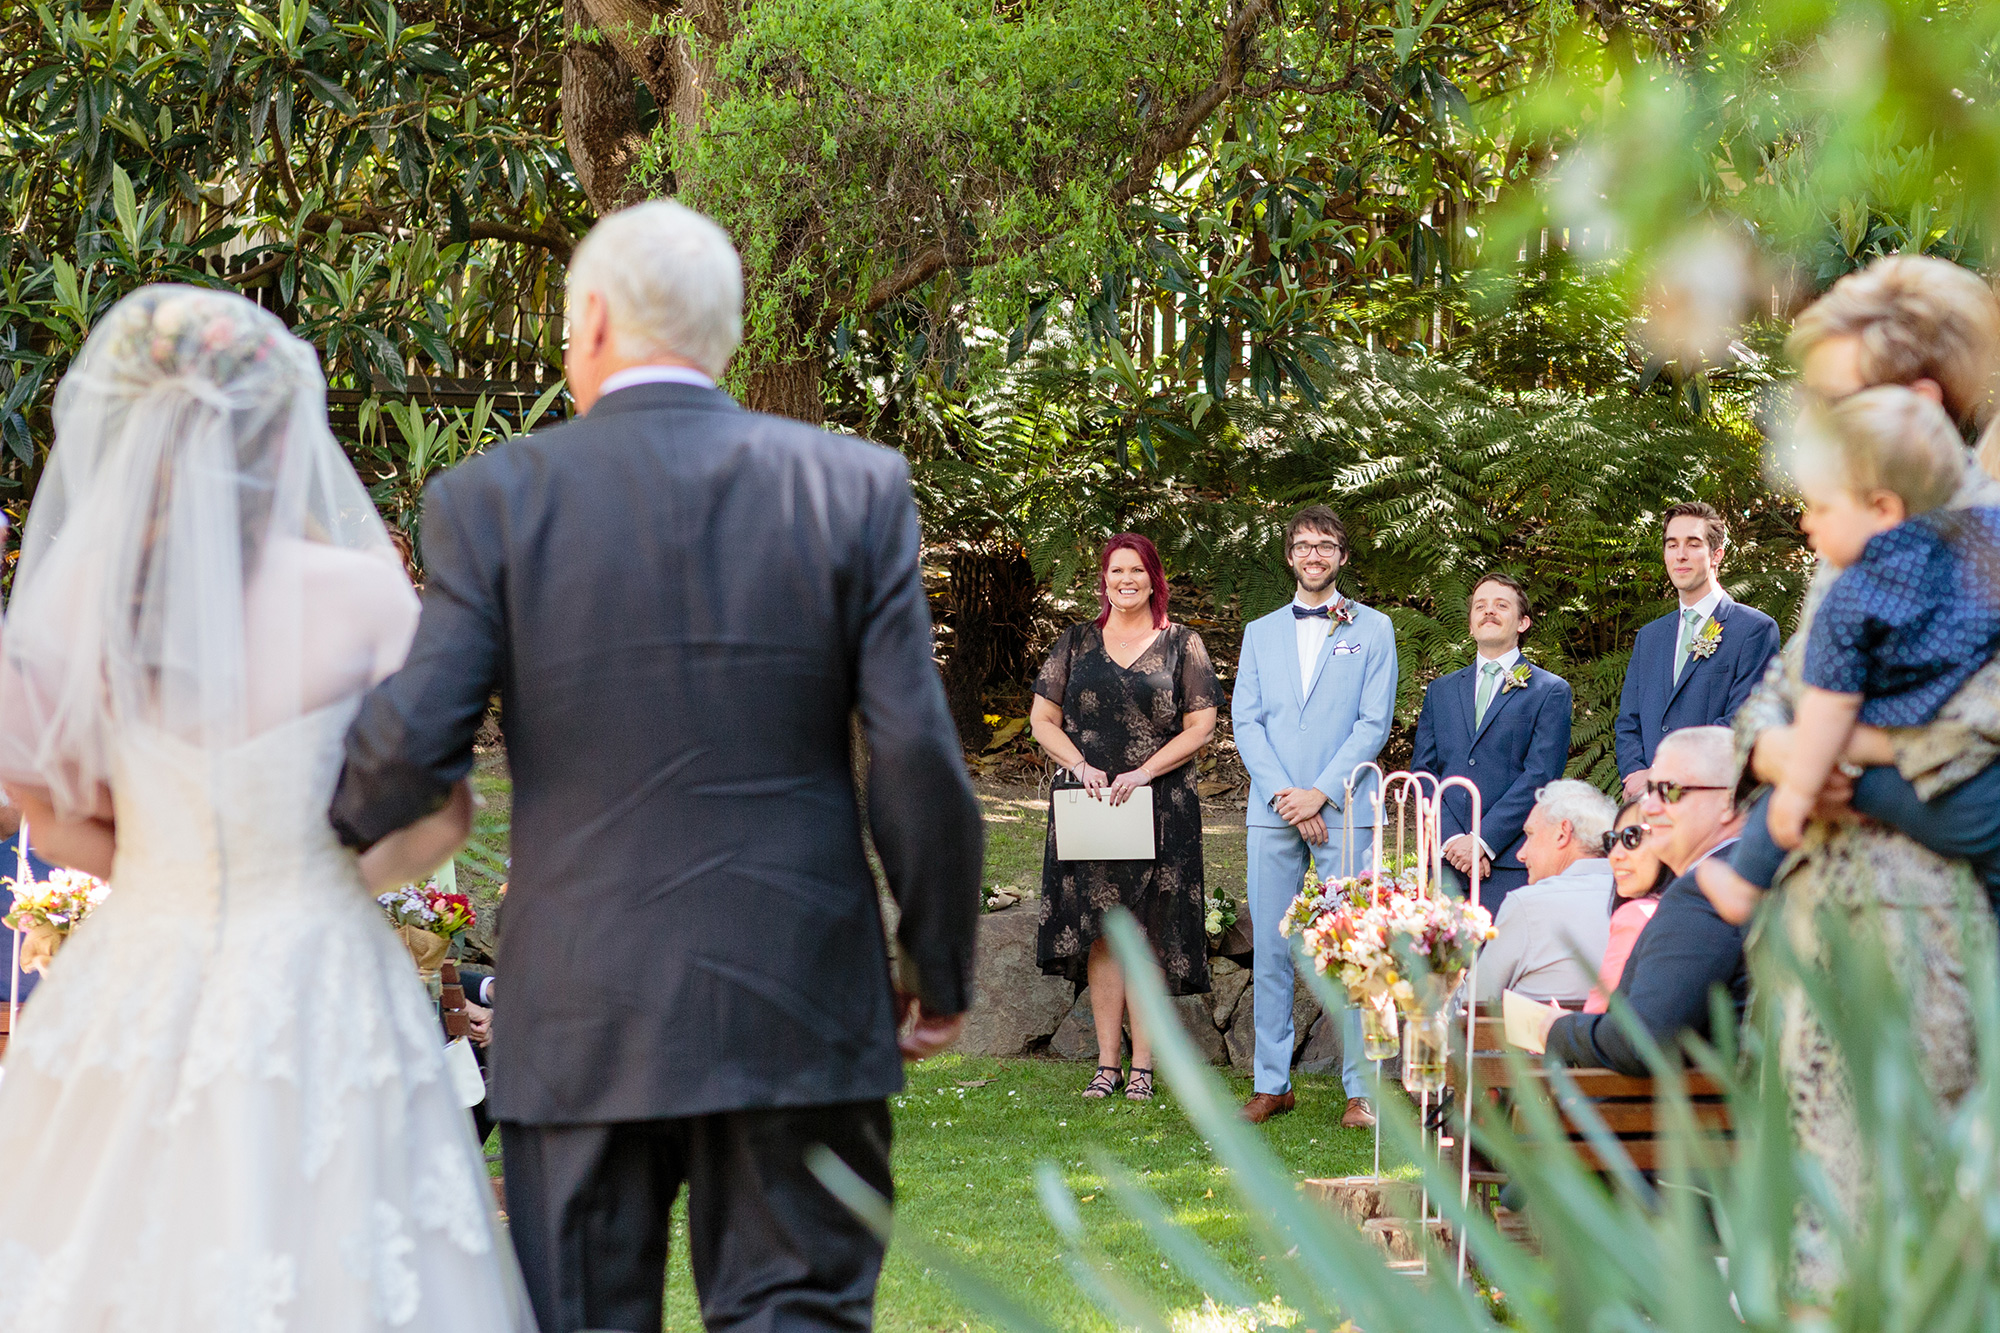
[[227, 1108]]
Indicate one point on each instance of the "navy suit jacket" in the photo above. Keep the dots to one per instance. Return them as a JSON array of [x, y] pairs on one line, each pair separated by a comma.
[[1708, 693], [1684, 952], [1522, 744]]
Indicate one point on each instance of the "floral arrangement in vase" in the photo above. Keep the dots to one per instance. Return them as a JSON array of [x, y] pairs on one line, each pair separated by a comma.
[[429, 919], [46, 911], [1344, 925], [1396, 948]]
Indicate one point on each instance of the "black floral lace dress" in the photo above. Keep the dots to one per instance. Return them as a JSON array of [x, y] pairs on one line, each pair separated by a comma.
[[1120, 717]]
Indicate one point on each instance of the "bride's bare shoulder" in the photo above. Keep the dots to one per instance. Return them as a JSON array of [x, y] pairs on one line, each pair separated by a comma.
[[370, 581]]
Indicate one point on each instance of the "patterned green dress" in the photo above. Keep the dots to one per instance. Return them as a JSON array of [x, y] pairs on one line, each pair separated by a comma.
[[1914, 902]]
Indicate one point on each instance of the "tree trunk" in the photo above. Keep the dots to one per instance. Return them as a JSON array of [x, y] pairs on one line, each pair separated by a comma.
[[990, 611], [600, 116], [789, 388]]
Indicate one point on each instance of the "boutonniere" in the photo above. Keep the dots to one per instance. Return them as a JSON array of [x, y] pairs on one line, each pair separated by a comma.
[[1706, 642], [1342, 614], [1517, 679]]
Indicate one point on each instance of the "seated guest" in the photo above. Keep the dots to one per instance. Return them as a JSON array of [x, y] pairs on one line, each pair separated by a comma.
[[1548, 928], [1687, 949], [1637, 877]]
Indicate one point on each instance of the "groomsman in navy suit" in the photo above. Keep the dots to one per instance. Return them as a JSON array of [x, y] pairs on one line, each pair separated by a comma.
[[1315, 693], [1694, 666], [1503, 723]]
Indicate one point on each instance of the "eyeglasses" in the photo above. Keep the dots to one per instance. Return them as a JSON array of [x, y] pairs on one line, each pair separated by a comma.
[[1628, 837], [1300, 550], [1670, 793]]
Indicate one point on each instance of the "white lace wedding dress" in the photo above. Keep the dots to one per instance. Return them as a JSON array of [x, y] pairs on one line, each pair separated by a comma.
[[226, 1110]]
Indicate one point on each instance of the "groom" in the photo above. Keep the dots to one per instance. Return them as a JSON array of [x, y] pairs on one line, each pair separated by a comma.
[[1315, 693], [680, 605]]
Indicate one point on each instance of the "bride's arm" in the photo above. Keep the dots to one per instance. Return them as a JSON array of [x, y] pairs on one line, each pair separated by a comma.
[[79, 844], [412, 853]]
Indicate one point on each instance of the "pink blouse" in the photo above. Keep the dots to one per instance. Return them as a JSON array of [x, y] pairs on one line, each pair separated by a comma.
[[1626, 923]]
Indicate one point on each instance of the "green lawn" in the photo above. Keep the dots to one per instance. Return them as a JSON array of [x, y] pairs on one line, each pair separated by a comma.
[[969, 1133]]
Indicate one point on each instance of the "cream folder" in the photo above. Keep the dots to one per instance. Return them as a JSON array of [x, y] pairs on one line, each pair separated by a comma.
[[1092, 829]]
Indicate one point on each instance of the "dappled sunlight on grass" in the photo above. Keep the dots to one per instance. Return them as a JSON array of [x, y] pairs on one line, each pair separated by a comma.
[[969, 1134]]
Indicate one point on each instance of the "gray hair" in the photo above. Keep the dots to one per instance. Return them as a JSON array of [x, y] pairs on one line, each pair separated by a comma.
[[1710, 751], [671, 282], [1588, 811]]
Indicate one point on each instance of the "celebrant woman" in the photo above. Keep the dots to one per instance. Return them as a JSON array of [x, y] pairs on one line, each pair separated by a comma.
[[1127, 701]]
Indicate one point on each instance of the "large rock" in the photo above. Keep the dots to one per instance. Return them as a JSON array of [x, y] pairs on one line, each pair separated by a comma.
[[1321, 1053], [1229, 990], [1076, 1035], [1196, 1019], [1305, 1012], [1013, 1005], [1241, 1039]]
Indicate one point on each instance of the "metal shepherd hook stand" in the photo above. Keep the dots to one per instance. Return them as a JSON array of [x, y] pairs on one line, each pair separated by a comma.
[[1427, 826], [1471, 1028], [1374, 896]]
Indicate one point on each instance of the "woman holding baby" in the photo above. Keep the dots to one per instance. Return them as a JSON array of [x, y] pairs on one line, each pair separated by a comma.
[[1891, 499]]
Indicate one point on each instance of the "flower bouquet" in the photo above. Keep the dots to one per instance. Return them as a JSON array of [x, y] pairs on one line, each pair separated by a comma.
[[430, 920], [1433, 940], [46, 911], [1345, 929]]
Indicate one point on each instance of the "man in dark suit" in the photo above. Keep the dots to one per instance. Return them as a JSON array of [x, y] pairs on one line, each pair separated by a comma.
[[1686, 950], [680, 605], [1694, 666], [1503, 723]]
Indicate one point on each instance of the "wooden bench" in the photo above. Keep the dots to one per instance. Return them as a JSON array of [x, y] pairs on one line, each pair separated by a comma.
[[1628, 1106]]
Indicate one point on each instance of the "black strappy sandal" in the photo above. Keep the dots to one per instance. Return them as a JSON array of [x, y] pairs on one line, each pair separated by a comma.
[[1142, 1085], [1107, 1080]]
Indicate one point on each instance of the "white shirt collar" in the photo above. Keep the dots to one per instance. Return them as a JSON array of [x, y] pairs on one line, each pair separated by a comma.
[[636, 375], [1332, 604], [1506, 659], [1707, 605]]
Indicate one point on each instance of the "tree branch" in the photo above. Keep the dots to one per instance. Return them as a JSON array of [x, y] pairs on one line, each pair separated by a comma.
[[1162, 143], [1153, 150]]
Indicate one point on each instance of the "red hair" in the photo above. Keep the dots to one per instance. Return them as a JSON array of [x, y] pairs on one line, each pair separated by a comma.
[[1150, 558]]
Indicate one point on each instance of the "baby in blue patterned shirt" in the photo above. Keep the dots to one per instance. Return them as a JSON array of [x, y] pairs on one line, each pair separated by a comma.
[[1913, 615]]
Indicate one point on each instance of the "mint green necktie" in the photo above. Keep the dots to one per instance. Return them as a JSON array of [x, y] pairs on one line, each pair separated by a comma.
[[1489, 680], [1690, 622]]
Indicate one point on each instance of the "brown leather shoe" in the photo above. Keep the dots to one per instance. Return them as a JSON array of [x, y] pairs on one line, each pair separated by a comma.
[[1360, 1115], [1267, 1104]]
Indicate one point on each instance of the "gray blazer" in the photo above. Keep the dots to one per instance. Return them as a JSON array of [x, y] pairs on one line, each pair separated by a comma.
[[679, 605]]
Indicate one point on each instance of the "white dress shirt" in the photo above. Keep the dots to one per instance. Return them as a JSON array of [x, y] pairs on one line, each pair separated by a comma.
[[1707, 604], [1313, 633], [1506, 661], [635, 375]]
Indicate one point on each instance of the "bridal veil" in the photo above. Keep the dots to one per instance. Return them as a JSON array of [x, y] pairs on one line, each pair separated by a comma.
[[191, 440]]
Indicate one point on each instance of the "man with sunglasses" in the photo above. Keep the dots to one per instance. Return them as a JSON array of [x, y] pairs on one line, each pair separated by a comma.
[[1315, 693], [1686, 950]]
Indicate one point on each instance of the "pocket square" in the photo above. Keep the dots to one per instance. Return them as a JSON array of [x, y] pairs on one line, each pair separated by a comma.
[[1341, 648]]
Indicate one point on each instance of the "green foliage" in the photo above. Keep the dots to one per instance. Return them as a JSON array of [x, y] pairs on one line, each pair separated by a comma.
[[1705, 1246], [1538, 446], [386, 179]]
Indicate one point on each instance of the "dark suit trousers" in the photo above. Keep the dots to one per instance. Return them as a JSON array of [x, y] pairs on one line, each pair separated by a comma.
[[772, 1251]]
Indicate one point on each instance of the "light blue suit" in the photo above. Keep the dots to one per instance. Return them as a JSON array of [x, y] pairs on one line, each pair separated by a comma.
[[1314, 737]]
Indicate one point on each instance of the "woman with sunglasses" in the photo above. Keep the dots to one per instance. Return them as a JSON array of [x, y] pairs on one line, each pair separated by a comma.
[[1637, 876]]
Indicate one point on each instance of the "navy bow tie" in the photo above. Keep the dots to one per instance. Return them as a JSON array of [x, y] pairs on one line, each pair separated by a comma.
[[1309, 612]]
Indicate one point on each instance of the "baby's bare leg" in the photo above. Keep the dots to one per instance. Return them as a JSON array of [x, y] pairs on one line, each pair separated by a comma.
[[1824, 722]]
